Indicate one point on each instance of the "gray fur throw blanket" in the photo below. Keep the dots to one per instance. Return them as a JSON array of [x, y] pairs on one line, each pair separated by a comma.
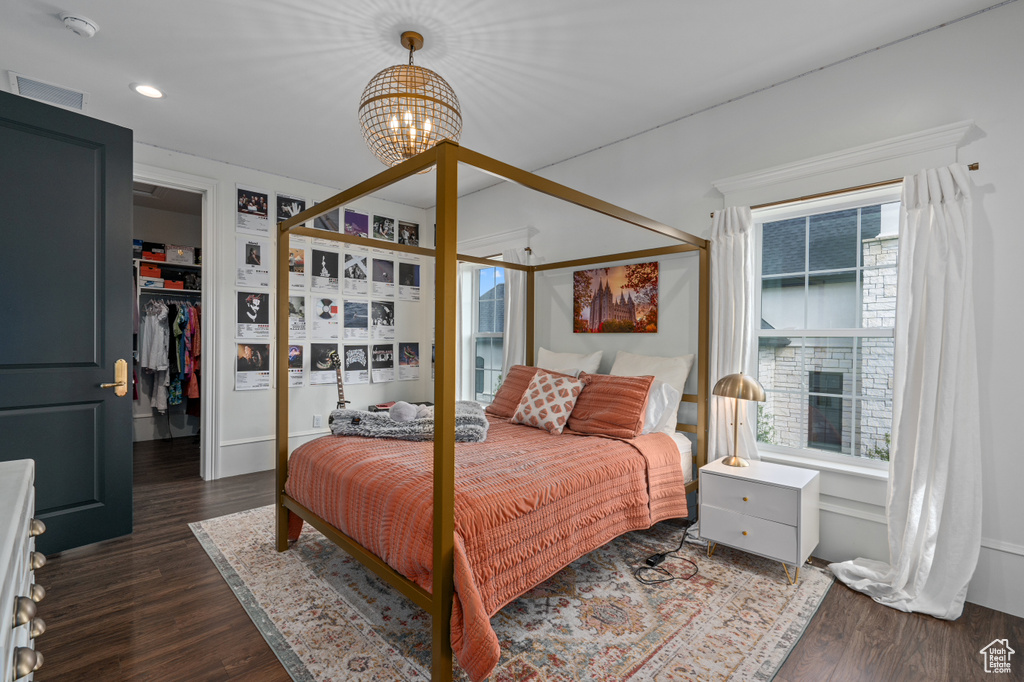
[[470, 424]]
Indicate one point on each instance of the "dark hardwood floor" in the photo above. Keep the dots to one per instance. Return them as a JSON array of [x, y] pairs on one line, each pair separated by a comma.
[[152, 606]]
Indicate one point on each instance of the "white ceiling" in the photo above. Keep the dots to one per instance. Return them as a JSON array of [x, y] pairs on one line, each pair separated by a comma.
[[275, 84]]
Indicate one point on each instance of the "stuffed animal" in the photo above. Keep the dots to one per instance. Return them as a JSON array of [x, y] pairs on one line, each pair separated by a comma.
[[402, 411]]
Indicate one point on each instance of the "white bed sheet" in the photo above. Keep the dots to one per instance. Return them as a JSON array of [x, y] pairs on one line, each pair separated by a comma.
[[685, 454]]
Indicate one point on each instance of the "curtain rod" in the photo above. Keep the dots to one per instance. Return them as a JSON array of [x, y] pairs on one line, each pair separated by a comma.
[[821, 195]]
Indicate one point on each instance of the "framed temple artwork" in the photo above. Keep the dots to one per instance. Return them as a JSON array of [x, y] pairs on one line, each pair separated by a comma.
[[617, 300]]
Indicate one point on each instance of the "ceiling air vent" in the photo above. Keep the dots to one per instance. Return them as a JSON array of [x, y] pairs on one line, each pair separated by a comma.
[[50, 93]]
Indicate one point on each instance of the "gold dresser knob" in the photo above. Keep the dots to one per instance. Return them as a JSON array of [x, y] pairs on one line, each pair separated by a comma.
[[745, 499], [38, 627], [37, 560], [37, 593], [744, 532], [36, 527], [24, 661], [24, 610]]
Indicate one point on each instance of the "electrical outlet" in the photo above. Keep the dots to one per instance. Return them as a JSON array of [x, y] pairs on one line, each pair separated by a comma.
[[318, 421]]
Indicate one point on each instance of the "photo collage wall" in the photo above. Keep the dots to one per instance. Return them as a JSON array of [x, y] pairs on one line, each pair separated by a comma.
[[341, 297]]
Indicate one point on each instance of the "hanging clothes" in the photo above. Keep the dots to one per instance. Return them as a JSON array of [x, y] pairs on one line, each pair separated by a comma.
[[153, 357]]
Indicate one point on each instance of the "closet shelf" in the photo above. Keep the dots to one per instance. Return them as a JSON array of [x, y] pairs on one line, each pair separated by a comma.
[[164, 290], [166, 264]]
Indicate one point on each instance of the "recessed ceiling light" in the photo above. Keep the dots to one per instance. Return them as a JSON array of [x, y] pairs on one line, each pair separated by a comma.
[[146, 90]]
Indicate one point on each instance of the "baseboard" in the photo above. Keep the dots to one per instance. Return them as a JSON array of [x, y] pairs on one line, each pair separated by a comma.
[[249, 455]]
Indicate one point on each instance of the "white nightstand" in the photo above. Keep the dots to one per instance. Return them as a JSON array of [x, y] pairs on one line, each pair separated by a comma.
[[766, 509]]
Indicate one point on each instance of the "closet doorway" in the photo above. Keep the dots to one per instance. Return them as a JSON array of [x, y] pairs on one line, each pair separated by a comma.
[[172, 344]]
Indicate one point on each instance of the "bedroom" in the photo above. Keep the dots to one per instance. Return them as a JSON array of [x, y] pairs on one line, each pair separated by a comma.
[[668, 173]]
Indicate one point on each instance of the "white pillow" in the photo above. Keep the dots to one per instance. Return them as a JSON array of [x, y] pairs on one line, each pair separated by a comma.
[[569, 363], [662, 408], [673, 371]]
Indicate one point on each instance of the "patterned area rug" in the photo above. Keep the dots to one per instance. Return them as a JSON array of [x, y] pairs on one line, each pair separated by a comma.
[[328, 618]]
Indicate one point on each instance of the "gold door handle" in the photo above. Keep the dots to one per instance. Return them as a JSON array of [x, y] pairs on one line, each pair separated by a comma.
[[120, 384]]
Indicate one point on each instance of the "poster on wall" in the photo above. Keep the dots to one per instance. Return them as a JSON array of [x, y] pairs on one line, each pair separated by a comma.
[[321, 371], [295, 366], [289, 207], [324, 272], [357, 279], [408, 281], [357, 224], [357, 365], [297, 263], [431, 362], [328, 222], [383, 228], [252, 262], [382, 320], [325, 318], [382, 363], [408, 361], [357, 321], [252, 316], [297, 317], [383, 277], [408, 233], [253, 210], [252, 366], [618, 300]]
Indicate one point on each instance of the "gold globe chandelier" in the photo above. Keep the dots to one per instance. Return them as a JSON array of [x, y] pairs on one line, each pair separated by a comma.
[[407, 109]]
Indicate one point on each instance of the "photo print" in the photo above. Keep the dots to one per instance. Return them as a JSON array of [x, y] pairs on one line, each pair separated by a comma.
[[356, 365], [382, 320], [252, 318], [383, 277], [408, 281], [356, 276], [289, 207], [357, 224], [324, 271], [325, 318], [295, 366], [252, 366], [329, 222], [382, 363], [383, 228], [357, 319], [321, 369], [408, 233], [408, 361], [252, 212], [250, 268], [297, 317], [617, 300]]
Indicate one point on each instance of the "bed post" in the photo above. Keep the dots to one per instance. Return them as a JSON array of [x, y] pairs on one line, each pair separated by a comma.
[[281, 374], [445, 277]]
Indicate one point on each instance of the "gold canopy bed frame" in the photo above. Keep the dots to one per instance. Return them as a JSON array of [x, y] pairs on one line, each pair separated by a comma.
[[446, 156]]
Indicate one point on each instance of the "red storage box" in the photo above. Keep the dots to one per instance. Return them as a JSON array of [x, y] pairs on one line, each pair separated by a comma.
[[149, 255], [171, 284], [149, 271]]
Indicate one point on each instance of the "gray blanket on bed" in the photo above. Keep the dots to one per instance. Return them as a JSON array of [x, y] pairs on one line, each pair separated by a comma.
[[470, 424]]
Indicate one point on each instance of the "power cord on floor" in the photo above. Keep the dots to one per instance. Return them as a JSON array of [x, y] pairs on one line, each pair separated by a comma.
[[652, 573]]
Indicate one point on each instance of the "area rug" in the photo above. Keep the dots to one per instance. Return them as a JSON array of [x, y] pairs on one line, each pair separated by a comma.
[[329, 619]]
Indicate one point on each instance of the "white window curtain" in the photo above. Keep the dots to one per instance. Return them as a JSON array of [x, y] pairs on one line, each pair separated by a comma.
[[464, 333], [514, 346], [933, 506], [733, 329]]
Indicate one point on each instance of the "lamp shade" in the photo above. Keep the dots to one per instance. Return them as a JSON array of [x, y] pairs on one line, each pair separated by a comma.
[[741, 386]]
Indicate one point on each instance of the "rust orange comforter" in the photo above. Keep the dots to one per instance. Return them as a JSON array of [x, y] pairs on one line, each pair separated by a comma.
[[527, 503]]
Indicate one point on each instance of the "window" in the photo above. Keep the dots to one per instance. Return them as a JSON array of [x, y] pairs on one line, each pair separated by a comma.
[[827, 309], [488, 331]]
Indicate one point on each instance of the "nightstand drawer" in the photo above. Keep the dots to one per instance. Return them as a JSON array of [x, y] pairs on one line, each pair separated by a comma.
[[751, 498], [767, 538]]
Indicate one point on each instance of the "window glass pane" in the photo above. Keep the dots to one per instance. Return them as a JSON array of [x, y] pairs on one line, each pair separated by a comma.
[[486, 321], [832, 301], [875, 429], [499, 276], [829, 423], [833, 240], [870, 221], [876, 368], [830, 364], [782, 246], [780, 418], [486, 282], [782, 303]]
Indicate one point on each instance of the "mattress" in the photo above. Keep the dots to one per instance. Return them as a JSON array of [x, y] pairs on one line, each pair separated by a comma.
[[685, 446]]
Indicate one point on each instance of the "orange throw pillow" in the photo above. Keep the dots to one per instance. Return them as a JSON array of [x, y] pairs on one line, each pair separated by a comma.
[[512, 388], [611, 405], [548, 402]]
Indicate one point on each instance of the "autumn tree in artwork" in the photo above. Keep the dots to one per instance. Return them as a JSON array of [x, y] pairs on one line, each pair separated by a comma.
[[642, 278], [582, 281]]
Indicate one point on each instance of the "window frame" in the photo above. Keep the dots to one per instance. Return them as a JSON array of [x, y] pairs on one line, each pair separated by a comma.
[[796, 209], [475, 332]]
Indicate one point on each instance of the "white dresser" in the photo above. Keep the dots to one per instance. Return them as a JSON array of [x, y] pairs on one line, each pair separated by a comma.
[[765, 508], [19, 624]]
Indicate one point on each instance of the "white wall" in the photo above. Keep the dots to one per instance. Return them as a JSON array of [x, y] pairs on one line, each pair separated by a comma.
[[969, 70], [244, 420]]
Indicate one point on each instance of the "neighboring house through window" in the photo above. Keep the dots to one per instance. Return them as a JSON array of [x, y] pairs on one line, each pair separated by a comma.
[[827, 310], [488, 331]]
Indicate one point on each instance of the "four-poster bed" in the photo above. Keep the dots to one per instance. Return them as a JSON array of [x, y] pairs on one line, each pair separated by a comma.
[[438, 600]]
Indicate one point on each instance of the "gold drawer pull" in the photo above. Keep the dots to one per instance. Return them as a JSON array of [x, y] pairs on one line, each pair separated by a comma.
[[24, 610], [744, 532], [38, 627], [746, 499], [37, 560], [37, 593], [36, 527], [25, 660]]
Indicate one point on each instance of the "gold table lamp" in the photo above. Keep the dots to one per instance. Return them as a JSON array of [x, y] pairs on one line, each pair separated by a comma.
[[738, 386]]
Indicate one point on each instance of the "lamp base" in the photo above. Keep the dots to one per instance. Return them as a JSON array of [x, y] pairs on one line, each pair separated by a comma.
[[735, 462]]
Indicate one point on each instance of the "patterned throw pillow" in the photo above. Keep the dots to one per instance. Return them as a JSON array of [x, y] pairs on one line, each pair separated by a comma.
[[548, 402]]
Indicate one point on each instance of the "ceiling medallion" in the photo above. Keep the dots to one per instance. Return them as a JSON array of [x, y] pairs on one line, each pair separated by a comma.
[[407, 109]]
